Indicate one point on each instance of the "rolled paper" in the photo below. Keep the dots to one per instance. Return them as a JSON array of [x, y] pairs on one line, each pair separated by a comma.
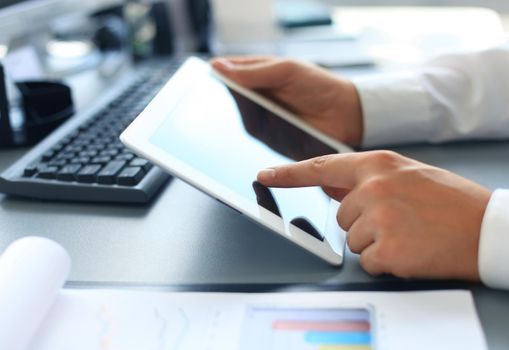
[[32, 271]]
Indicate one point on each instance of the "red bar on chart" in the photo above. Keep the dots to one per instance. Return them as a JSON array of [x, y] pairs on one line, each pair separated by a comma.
[[321, 326]]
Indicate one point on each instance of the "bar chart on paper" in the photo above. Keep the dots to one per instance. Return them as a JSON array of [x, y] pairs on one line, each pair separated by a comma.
[[307, 329]]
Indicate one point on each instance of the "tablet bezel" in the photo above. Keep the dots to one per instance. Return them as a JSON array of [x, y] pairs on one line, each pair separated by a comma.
[[137, 137]]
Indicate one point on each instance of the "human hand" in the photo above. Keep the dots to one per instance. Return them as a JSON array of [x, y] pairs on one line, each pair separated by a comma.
[[324, 100], [403, 217]]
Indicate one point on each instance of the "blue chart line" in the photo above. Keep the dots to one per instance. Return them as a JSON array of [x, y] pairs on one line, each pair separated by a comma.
[[164, 329], [107, 328], [172, 329], [184, 329]]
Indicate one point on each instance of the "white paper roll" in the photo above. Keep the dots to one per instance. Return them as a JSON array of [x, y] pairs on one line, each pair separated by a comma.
[[32, 270]]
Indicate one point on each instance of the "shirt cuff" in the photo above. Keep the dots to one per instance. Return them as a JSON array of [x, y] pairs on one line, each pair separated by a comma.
[[396, 110], [494, 242]]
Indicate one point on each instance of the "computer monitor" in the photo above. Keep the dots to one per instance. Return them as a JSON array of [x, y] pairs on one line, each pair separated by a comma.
[[19, 17], [5, 3]]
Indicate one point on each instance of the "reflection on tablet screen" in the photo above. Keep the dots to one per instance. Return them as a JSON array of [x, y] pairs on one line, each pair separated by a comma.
[[230, 138], [277, 133]]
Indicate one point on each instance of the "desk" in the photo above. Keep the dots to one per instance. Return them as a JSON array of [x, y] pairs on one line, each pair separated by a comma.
[[186, 238]]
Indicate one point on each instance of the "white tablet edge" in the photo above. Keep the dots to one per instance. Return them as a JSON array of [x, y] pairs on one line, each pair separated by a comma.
[[137, 135]]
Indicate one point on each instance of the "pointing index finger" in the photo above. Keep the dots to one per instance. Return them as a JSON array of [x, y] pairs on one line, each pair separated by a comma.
[[338, 170]]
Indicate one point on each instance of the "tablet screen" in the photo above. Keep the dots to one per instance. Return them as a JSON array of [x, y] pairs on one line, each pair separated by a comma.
[[229, 138]]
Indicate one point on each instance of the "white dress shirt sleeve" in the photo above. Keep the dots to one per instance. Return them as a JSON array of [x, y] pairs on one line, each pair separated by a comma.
[[455, 97], [463, 96], [494, 242]]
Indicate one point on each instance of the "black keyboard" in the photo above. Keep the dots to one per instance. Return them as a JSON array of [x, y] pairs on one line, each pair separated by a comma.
[[84, 159]]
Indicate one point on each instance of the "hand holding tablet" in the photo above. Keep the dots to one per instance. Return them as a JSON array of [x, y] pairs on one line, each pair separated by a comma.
[[326, 101]]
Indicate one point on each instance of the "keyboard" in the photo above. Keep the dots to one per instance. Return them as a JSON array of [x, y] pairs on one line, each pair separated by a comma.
[[84, 160]]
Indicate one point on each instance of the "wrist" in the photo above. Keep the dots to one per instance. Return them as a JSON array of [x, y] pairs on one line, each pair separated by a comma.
[[351, 124]]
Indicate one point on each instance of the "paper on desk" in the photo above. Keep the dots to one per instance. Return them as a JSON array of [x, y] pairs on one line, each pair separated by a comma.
[[35, 315], [124, 320]]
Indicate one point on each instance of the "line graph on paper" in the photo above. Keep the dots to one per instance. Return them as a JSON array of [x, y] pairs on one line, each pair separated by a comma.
[[133, 324], [152, 328]]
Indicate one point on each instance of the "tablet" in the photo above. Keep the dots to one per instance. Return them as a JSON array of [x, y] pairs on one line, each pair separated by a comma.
[[217, 135]]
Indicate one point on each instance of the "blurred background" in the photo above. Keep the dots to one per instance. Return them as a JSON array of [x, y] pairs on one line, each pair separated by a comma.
[[494, 4], [282, 27], [42, 39]]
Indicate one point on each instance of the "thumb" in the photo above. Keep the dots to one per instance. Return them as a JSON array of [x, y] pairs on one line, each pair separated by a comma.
[[336, 193]]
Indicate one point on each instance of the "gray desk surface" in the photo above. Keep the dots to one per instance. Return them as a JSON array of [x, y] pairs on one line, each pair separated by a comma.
[[184, 237]]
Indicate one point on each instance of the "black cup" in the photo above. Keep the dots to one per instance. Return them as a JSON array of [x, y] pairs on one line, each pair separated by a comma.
[[45, 105]]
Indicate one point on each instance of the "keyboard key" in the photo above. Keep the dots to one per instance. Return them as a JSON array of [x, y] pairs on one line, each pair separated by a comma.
[[74, 148], [101, 160], [68, 172], [58, 147], [83, 127], [57, 162], [95, 147], [130, 176], [107, 174], [116, 146], [88, 154], [109, 139], [30, 171], [140, 162], [81, 160], [48, 155], [74, 134], [87, 174], [81, 142], [109, 152], [66, 156], [125, 156], [48, 173], [67, 140]]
